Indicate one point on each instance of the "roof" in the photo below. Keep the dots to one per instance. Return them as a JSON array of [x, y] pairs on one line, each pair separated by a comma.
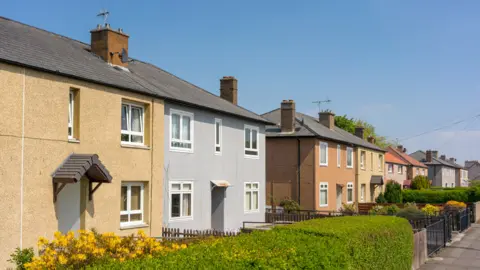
[[391, 158], [422, 157], [408, 159], [75, 166], [38, 49], [308, 126]]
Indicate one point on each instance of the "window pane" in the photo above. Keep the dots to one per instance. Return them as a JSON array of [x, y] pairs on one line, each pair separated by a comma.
[[251, 153], [175, 186], [254, 139], [248, 186], [175, 205], [186, 128], [248, 200], [323, 196], [255, 186], [136, 119], [217, 149], [247, 138], [124, 117], [123, 199], [70, 108], [135, 198], [135, 217], [323, 153], [349, 195], [187, 186], [70, 131], [137, 139], [217, 133], [175, 126], [187, 205], [255, 200], [125, 137], [123, 218]]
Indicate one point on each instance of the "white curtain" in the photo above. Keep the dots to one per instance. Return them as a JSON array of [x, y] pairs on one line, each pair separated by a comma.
[[136, 120], [255, 200], [124, 117], [254, 139], [186, 128], [248, 200], [176, 126], [187, 205]]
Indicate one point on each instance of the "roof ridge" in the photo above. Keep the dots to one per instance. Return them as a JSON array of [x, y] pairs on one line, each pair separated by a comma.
[[43, 30], [196, 86], [400, 155]]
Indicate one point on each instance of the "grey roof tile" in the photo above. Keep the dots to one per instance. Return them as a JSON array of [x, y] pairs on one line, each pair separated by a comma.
[[26, 45], [422, 157]]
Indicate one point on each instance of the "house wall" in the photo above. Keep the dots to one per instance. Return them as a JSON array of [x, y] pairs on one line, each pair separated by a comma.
[[464, 182], [473, 168], [45, 147], [333, 175], [364, 175], [203, 166], [281, 171], [395, 175], [412, 172], [441, 175]]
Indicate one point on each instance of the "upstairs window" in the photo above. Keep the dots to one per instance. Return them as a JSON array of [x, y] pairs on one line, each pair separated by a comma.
[[132, 124], [251, 141], [371, 162], [349, 157], [218, 136], [380, 163], [390, 168], [362, 159], [181, 131], [323, 154], [418, 171], [339, 156], [400, 169], [71, 101]]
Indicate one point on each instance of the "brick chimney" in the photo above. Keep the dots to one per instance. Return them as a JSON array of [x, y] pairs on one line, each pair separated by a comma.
[[287, 111], [359, 132], [371, 139], [327, 119], [434, 154], [228, 89], [400, 148], [453, 160], [429, 156], [443, 157], [109, 44]]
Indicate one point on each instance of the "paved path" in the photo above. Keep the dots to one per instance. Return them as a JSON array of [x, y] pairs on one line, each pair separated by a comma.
[[464, 254]]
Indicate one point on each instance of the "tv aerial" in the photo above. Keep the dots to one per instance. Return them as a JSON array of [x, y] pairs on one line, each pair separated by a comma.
[[320, 102], [104, 13]]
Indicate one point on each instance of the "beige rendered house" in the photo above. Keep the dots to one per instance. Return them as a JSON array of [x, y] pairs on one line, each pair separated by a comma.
[[82, 134]]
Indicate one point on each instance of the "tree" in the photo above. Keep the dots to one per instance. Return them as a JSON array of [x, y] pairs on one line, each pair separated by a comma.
[[420, 182], [349, 124], [393, 192], [345, 123]]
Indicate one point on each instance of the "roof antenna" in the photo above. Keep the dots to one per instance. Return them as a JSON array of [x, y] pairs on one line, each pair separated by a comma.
[[319, 103], [104, 13]]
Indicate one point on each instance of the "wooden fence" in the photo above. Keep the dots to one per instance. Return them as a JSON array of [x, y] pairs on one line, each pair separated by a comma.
[[172, 233]]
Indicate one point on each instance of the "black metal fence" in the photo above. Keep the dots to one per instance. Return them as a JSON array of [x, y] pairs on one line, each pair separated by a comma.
[[436, 236]]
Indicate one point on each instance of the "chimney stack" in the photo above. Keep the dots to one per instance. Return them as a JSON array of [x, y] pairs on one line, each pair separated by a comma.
[[404, 150], [228, 89], [443, 157], [359, 131], [434, 154], [327, 119], [400, 148], [109, 44], [287, 110], [429, 156], [371, 139], [453, 160]]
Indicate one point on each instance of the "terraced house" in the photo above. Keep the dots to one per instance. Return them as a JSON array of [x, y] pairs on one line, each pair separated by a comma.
[[441, 172], [410, 167], [91, 138], [312, 161]]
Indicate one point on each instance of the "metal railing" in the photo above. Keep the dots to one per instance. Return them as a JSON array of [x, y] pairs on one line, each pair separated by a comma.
[[436, 237]]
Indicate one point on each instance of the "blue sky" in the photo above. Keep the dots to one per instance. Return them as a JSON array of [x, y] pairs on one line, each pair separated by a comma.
[[404, 66]]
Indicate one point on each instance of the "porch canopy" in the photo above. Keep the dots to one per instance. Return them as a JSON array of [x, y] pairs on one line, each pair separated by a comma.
[[376, 180], [76, 166], [220, 183]]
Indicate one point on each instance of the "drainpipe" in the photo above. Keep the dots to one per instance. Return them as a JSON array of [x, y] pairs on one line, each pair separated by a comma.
[[298, 168], [22, 157], [151, 166]]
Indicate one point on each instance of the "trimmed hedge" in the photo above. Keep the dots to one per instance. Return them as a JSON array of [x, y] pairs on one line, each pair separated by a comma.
[[357, 242], [442, 195]]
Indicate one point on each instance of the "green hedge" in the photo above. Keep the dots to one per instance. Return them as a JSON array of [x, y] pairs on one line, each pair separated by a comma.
[[358, 242], [442, 195]]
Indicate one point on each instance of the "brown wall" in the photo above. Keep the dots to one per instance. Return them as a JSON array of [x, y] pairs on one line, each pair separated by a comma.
[[412, 172], [281, 167], [333, 175], [46, 146]]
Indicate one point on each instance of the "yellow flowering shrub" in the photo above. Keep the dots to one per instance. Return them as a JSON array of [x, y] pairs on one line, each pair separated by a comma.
[[68, 251], [431, 210], [454, 206]]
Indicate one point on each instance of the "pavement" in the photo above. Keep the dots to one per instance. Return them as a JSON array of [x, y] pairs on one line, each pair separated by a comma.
[[463, 253]]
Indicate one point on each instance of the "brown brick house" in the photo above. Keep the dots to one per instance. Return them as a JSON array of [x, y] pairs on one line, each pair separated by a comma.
[[309, 160]]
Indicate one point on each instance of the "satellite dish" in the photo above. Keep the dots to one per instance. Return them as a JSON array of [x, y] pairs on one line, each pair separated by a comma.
[[124, 56]]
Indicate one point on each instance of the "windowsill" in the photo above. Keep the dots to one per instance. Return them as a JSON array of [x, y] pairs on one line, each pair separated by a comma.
[[218, 153], [323, 165], [252, 157], [323, 205], [133, 226], [180, 219], [73, 140], [181, 150], [351, 167], [137, 146], [252, 212]]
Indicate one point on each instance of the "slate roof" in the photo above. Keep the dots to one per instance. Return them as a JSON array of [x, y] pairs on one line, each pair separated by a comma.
[[308, 126], [391, 158], [422, 157], [38, 49], [410, 160]]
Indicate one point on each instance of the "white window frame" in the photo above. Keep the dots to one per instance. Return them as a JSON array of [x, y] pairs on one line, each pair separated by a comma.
[[129, 198], [392, 171], [418, 171], [71, 113], [350, 187], [220, 136], [181, 192], [350, 149], [251, 190], [399, 169], [181, 114], [363, 187], [380, 162], [320, 188], [362, 159], [257, 156], [326, 154], [129, 123], [339, 156]]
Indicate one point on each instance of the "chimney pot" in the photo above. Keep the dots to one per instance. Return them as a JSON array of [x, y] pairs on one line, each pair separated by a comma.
[[371, 139], [400, 148], [443, 157], [287, 111], [327, 119], [229, 89], [359, 132], [434, 154]]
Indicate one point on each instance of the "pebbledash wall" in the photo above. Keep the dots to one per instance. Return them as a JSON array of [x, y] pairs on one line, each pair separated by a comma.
[[27, 162], [202, 166]]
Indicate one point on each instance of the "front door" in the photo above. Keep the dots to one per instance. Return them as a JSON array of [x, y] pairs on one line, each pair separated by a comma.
[[218, 208], [339, 197], [68, 208]]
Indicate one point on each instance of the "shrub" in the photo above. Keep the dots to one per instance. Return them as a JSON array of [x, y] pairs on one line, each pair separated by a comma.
[[391, 209], [289, 205], [21, 257], [430, 210], [376, 210], [66, 251], [454, 206], [348, 209], [355, 242], [436, 196], [380, 198], [420, 182], [410, 211], [393, 192]]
